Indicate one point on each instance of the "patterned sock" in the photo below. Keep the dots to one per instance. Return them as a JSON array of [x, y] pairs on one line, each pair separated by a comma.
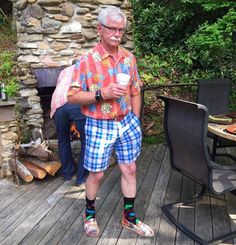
[[129, 210], [90, 209]]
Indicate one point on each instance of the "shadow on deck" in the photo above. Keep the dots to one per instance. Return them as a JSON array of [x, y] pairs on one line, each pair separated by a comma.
[[50, 211]]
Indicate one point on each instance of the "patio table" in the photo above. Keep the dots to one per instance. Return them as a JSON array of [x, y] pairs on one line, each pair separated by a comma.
[[220, 130]]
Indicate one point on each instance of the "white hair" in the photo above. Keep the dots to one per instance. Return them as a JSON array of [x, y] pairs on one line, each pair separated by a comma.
[[114, 12]]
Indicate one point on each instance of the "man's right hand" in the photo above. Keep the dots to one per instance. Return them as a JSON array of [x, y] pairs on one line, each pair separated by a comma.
[[113, 91]]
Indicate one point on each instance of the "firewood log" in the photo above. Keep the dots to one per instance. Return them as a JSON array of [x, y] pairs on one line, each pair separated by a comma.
[[40, 151], [21, 151], [23, 172], [36, 150], [36, 171], [50, 167]]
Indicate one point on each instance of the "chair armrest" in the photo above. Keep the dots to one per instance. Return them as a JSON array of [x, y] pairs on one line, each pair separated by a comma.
[[214, 165]]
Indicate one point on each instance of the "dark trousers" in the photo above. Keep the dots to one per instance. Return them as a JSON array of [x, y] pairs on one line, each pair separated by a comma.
[[63, 117]]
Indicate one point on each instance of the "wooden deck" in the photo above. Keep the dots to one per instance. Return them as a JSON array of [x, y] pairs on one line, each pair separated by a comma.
[[49, 211]]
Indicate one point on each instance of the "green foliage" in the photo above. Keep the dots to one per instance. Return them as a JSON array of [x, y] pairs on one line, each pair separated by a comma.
[[156, 25], [209, 5], [6, 64], [12, 87], [179, 41], [215, 49], [213, 44], [150, 140], [7, 73], [184, 40], [171, 65]]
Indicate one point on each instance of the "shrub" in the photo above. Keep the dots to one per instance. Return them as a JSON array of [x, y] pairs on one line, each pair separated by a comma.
[[184, 40], [213, 44], [7, 73]]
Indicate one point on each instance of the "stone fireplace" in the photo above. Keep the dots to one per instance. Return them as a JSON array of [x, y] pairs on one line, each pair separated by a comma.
[[46, 82], [51, 33]]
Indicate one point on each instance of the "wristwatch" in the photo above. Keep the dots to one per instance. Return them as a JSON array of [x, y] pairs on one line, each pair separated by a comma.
[[98, 96]]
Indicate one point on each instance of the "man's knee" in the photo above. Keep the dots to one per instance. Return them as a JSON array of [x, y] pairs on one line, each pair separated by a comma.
[[129, 169], [96, 176]]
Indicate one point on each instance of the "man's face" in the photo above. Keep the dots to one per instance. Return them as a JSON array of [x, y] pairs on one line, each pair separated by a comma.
[[111, 33]]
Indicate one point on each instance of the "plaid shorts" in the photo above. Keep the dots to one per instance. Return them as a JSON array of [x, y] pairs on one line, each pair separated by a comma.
[[102, 136]]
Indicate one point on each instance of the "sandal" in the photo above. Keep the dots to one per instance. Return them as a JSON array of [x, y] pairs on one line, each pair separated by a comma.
[[140, 228], [91, 227]]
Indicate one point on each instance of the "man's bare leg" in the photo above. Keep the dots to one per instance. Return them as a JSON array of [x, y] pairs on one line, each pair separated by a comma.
[[128, 185], [92, 184], [128, 179], [91, 189]]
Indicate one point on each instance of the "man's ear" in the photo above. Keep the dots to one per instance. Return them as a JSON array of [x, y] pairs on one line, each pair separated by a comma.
[[99, 29]]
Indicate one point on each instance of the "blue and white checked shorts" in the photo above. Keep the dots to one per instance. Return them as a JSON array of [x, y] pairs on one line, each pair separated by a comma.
[[102, 136]]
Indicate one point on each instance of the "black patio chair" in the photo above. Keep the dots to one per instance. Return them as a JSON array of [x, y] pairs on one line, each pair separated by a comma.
[[185, 126], [215, 95]]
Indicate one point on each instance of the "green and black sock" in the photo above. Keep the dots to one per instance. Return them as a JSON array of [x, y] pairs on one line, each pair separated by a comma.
[[90, 209], [129, 210]]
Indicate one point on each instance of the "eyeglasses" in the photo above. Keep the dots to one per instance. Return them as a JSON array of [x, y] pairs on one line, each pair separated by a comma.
[[114, 30]]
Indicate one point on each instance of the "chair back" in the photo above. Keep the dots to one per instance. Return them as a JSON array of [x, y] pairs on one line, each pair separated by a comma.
[[185, 126], [214, 94]]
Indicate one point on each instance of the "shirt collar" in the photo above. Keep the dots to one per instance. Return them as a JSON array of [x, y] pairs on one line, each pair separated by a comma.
[[104, 54]]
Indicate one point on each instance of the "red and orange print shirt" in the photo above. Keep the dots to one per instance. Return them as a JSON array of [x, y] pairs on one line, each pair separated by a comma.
[[96, 69]]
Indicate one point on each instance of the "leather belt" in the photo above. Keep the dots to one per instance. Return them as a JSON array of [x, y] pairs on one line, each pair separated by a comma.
[[119, 118]]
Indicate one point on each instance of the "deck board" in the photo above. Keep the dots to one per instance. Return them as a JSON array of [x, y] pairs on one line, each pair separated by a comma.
[[50, 211], [35, 209], [9, 192], [142, 199], [186, 214], [64, 207], [167, 231], [153, 214]]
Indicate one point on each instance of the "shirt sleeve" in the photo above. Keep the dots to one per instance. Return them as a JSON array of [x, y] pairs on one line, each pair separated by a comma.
[[60, 77], [136, 81], [78, 78]]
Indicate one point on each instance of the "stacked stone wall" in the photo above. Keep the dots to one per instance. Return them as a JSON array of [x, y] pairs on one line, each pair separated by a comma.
[[51, 33], [8, 137]]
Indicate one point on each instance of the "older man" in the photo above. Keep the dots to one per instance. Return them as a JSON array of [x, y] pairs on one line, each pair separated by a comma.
[[112, 109]]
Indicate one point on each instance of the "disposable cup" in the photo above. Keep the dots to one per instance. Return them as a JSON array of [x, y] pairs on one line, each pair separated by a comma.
[[122, 79]]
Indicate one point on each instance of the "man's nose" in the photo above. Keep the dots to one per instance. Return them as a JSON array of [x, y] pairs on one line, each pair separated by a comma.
[[117, 33]]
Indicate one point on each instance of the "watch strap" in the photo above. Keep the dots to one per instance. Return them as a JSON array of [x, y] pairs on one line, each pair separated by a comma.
[[98, 96]]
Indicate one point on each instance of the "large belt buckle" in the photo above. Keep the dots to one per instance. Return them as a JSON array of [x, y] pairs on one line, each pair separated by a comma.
[[119, 118]]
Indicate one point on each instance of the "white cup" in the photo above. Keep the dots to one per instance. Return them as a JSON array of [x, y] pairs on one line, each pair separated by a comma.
[[122, 79]]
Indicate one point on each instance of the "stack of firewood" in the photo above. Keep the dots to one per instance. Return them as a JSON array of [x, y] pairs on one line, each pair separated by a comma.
[[34, 160]]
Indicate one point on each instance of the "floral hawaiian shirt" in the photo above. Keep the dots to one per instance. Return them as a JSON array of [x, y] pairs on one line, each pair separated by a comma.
[[96, 69]]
